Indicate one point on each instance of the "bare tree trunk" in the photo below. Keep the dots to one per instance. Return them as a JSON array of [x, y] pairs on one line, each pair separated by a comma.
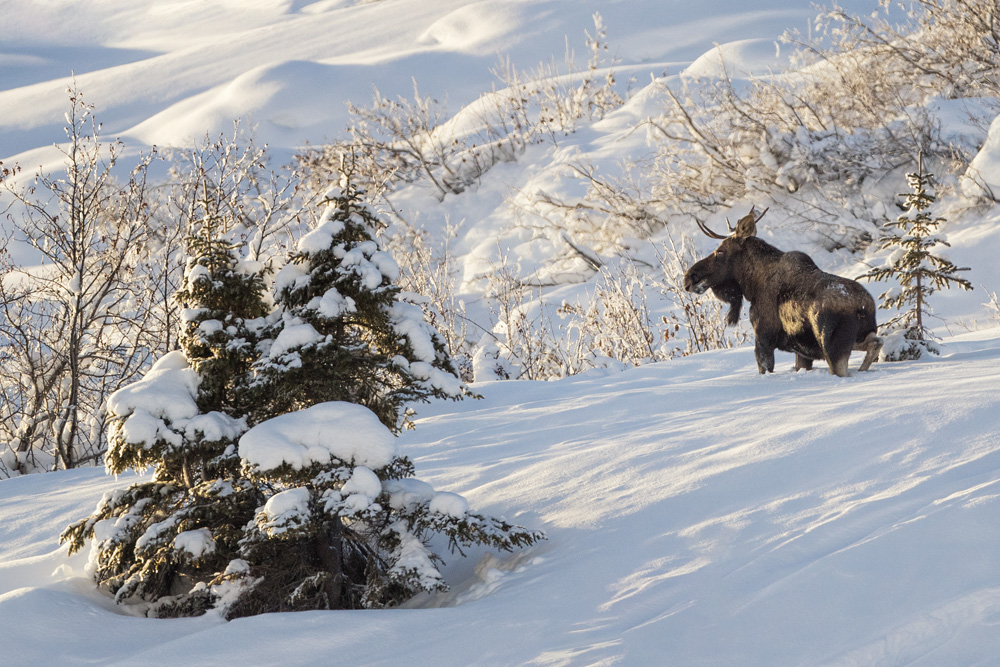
[[330, 550]]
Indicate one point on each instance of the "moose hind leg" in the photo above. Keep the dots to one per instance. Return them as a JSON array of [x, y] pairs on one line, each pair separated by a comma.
[[871, 346], [836, 337]]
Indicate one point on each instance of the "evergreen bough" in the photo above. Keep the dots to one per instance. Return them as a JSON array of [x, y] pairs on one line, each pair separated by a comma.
[[277, 484], [918, 270]]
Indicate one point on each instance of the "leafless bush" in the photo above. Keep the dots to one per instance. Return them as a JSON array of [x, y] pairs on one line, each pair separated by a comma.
[[523, 339], [993, 305], [404, 140], [428, 268], [612, 212], [79, 325], [699, 321], [403, 137], [613, 327], [228, 179], [549, 100], [721, 143], [617, 323], [98, 306], [946, 47], [852, 108]]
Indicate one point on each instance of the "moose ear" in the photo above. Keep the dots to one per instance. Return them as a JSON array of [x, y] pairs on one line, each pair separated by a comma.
[[747, 225]]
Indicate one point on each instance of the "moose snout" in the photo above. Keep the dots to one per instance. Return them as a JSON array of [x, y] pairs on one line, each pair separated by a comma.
[[693, 283]]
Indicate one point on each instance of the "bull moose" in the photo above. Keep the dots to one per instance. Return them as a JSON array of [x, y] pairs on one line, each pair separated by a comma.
[[794, 306]]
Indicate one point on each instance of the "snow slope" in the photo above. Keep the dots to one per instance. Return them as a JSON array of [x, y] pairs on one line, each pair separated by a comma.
[[698, 514], [167, 71]]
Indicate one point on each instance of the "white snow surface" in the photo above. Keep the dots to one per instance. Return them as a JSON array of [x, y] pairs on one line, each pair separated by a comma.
[[346, 431], [697, 514]]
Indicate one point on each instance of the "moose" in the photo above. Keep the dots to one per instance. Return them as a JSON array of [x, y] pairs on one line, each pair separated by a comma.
[[794, 306]]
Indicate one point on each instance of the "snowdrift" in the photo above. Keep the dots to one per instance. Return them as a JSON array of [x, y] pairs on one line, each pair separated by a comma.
[[697, 513]]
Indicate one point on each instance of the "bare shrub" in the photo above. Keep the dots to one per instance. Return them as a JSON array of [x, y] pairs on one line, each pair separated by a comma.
[[853, 107], [722, 142], [227, 179], [405, 140], [948, 47], [613, 327], [617, 323], [549, 100], [697, 321], [993, 305], [79, 324], [612, 212], [403, 137], [522, 341], [429, 270]]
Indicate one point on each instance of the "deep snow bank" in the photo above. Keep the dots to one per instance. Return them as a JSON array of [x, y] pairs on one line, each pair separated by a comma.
[[697, 514]]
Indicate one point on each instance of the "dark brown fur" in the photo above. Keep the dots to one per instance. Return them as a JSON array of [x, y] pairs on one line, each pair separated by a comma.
[[794, 306]]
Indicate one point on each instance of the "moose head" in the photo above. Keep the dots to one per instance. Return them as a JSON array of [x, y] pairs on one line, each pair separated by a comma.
[[717, 271]]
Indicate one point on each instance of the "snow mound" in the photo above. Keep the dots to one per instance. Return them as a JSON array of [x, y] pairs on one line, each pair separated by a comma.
[[345, 431], [475, 28], [983, 174], [737, 59]]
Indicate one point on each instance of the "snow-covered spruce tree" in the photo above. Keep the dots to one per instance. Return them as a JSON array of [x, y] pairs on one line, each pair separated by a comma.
[[345, 522], [918, 269], [346, 332], [314, 508], [174, 540]]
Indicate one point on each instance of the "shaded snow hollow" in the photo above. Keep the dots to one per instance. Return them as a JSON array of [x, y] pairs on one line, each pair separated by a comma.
[[697, 514]]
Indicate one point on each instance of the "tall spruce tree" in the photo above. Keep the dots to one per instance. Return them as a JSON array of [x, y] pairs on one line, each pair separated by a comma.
[[313, 507], [346, 330], [918, 269]]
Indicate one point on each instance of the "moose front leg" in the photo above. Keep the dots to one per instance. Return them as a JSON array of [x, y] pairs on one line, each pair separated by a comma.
[[803, 363], [765, 357], [871, 346]]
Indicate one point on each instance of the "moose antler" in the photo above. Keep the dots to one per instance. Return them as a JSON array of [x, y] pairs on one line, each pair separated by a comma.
[[708, 232], [745, 227]]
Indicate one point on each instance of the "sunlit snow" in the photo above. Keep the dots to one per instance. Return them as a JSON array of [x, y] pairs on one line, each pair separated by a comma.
[[697, 513]]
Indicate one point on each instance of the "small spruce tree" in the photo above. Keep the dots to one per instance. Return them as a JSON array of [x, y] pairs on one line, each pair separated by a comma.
[[919, 271], [173, 541], [345, 522]]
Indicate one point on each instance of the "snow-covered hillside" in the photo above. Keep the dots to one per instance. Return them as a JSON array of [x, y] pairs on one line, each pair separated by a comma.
[[697, 514], [169, 73], [166, 72]]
